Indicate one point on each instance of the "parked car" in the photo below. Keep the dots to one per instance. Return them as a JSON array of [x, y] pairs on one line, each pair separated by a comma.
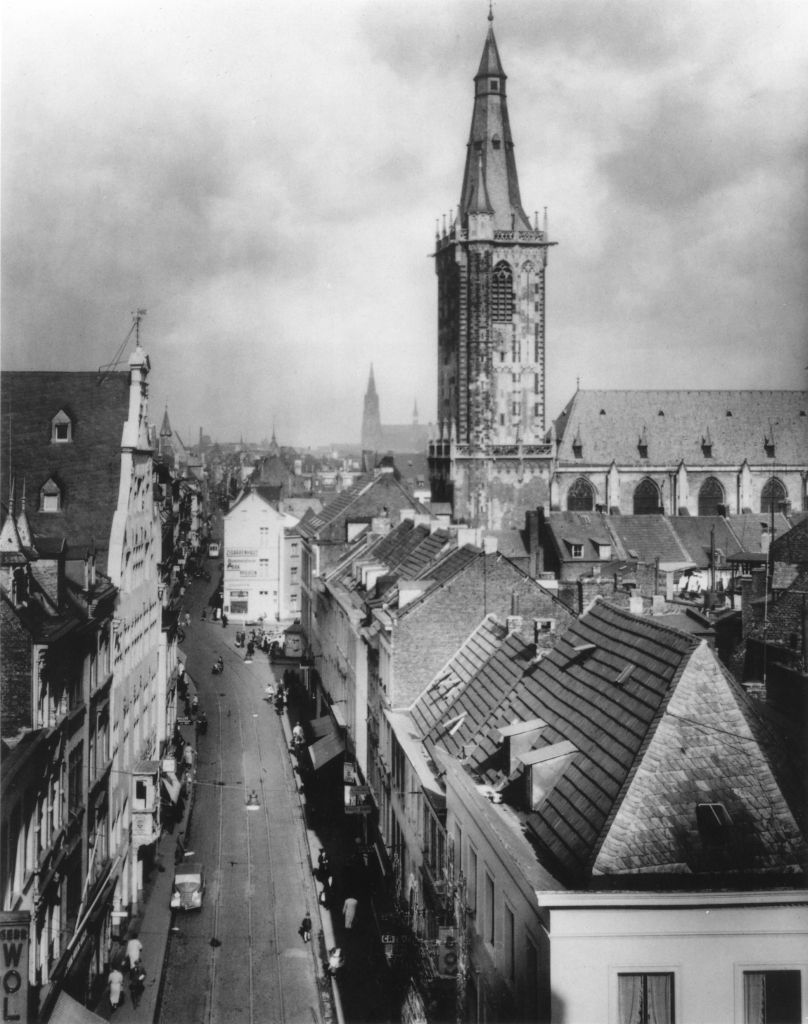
[[189, 887], [213, 549]]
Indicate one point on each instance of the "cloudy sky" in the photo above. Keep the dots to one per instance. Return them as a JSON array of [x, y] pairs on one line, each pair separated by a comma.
[[264, 179]]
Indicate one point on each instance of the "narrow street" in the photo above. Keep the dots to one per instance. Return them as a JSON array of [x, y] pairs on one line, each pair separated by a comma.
[[241, 958]]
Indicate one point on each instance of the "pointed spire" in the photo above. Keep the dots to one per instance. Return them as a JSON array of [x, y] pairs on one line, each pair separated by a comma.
[[371, 382], [9, 535], [23, 524], [165, 430], [490, 162]]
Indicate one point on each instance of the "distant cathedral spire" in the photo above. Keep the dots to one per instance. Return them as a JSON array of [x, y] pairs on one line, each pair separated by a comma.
[[372, 435]]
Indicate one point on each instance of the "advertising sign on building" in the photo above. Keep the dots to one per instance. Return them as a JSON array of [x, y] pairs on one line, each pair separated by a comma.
[[447, 953], [14, 938], [358, 800]]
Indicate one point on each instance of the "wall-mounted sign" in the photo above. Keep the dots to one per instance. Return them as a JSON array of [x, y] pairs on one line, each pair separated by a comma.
[[14, 939], [358, 800]]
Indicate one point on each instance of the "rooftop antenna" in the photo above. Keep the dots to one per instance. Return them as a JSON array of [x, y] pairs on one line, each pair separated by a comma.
[[137, 316]]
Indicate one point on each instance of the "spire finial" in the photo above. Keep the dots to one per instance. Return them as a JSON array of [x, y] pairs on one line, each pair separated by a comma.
[[490, 10]]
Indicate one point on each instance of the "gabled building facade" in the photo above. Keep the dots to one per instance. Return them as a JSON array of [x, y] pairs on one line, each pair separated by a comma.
[[86, 553]]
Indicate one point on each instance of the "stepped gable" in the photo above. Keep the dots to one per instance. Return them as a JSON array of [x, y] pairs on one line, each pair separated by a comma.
[[648, 538], [86, 469], [439, 697], [609, 424]]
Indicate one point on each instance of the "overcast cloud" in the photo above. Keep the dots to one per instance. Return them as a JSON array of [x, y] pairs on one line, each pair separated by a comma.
[[264, 178]]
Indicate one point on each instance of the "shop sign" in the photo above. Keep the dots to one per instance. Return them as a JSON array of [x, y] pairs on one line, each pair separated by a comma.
[[14, 938], [447, 953], [358, 800], [349, 773]]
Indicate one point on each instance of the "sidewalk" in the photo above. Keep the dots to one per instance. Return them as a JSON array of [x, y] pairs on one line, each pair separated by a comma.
[[152, 922], [363, 989]]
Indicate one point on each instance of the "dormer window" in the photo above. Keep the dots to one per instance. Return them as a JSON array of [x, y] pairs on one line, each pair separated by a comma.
[[496, 142], [50, 497], [768, 446], [494, 84], [61, 428]]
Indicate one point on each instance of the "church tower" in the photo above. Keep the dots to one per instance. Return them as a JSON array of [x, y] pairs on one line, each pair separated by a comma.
[[371, 418], [490, 459]]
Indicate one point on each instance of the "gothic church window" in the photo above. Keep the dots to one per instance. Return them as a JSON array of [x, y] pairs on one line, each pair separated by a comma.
[[581, 496], [711, 495], [773, 495], [647, 500], [502, 294]]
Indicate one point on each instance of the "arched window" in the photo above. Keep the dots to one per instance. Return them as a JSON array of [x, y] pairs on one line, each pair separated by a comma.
[[502, 294], [647, 499], [711, 495], [772, 495], [581, 496]]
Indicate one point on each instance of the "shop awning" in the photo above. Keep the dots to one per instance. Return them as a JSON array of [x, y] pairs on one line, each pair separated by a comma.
[[171, 785], [326, 749], [69, 1011]]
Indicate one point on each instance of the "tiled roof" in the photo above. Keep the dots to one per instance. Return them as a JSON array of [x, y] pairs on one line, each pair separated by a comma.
[[339, 508], [658, 727], [647, 538], [442, 571], [609, 425], [483, 701], [750, 527], [449, 684], [695, 533], [87, 469]]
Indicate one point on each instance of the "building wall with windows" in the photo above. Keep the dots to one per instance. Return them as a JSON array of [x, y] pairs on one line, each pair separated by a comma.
[[256, 549], [679, 957]]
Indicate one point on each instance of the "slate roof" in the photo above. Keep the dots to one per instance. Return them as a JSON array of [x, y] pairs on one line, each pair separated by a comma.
[[647, 538], [676, 731], [87, 469], [749, 528], [442, 571], [439, 697], [694, 534], [610, 423], [314, 523]]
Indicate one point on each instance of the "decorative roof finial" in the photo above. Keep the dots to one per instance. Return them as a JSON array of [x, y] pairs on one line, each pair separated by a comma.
[[490, 10]]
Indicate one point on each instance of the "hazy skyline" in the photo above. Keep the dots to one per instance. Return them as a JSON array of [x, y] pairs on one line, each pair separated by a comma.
[[265, 179]]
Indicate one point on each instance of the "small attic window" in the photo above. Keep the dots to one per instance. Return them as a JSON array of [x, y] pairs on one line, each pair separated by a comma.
[[494, 84], [577, 448], [729, 412], [714, 823], [50, 497], [602, 412], [496, 142], [661, 412], [642, 448], [768, 446], [61, 428], [577, 550]]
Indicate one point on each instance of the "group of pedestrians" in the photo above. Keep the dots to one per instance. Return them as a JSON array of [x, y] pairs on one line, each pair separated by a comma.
[[133, 965]]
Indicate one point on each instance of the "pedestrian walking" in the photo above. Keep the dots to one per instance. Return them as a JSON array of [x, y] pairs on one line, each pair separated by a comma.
[[224, 621], [179, 850], [304, 931], [134, 948], [137, 982], [336, 961], [188, 756], [349, 911], [115, 982]]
